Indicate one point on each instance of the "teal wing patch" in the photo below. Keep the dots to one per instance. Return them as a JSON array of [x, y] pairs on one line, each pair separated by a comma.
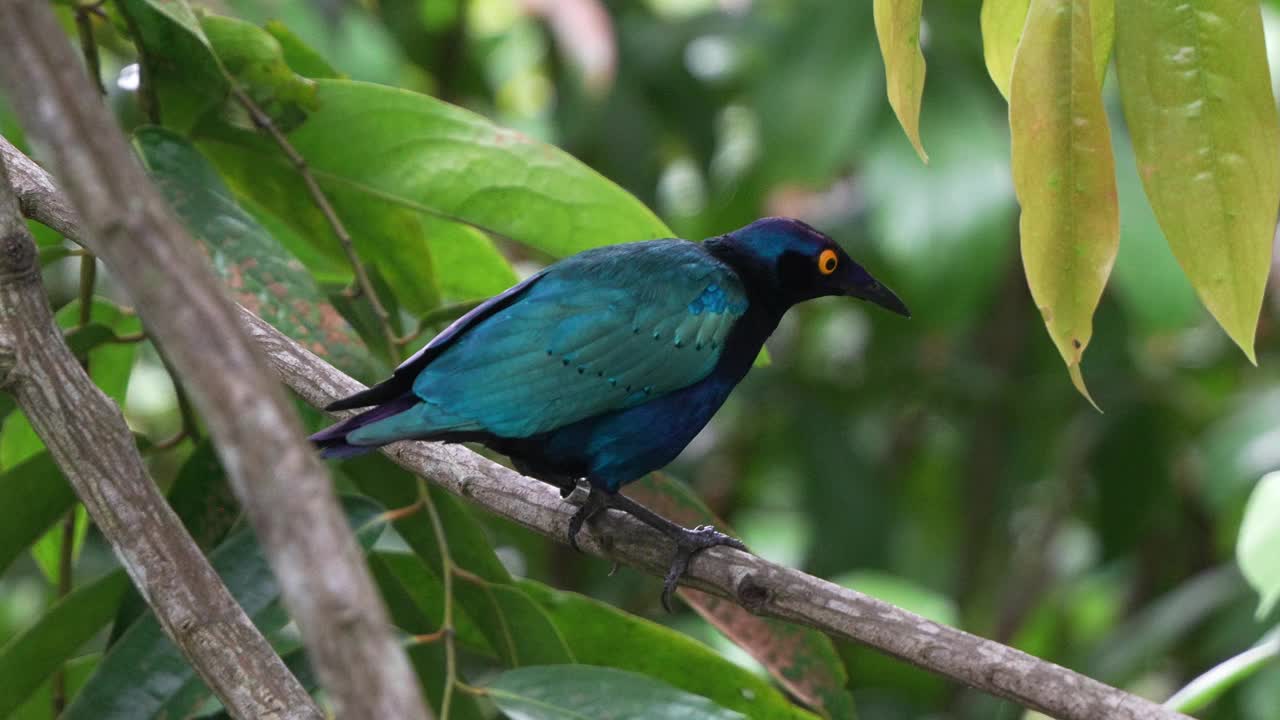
[[602, 331]]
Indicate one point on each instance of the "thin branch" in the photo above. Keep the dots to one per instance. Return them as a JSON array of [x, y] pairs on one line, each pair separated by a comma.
[[363, 284], [275, 475], [87, 436], [758, 585]]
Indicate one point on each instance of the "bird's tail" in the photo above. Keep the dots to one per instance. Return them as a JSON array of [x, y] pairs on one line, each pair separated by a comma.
[[333, 441]]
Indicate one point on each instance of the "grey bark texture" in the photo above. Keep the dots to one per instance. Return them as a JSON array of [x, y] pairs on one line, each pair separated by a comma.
[[277, 478], [88, 438], [760, 586]]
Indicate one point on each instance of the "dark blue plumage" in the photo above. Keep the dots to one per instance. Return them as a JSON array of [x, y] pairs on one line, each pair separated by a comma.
[[606, 364]]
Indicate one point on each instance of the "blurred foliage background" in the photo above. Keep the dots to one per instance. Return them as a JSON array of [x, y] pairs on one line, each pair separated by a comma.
[[945, 464]]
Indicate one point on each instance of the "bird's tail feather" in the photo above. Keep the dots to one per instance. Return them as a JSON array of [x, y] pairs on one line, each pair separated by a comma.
[[333, 441]]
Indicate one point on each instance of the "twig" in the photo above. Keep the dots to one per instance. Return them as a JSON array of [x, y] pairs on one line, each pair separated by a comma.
[[273, 472], [89, 48], [438, 316], [758, 585], [363, 285], [87, 436], [447, 629]]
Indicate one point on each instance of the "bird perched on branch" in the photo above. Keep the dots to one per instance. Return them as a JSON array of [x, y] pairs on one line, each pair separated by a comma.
[[605, 365]]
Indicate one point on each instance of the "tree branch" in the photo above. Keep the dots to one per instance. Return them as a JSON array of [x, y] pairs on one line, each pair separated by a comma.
[[87, 436], [758, 585], [276, 477]]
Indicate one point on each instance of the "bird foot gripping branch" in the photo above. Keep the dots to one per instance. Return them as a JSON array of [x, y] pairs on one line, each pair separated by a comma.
[[605, 365]]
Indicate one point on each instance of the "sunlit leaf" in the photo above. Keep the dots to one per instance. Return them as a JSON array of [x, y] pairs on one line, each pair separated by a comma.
[[898, 28], [573, 692], [1002, 22], [600, 634], [1197, 98], [30, 658], [419, 153], [1259, 538], [1063, 173]]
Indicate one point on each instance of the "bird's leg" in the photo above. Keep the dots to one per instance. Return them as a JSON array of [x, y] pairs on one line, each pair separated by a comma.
[[688, 542]]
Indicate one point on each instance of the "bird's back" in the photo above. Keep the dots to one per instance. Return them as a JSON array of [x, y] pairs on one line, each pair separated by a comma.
[[601, 331]]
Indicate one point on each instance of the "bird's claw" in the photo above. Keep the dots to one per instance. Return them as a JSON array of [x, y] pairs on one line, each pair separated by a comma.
[[688, 544], [596, 501]]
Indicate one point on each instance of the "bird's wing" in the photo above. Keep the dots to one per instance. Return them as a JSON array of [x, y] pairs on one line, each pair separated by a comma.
[[600, 332]]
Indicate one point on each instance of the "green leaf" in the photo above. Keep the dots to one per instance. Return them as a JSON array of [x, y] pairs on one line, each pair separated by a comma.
[[145, 676], [803, 661], [255, 59], [579, 692], [425, 591], [513, 625], [898, 29], [1204, 689], [38, 487], [301, 57], [1259, 538], [600, 634], [1002, 22], [261, 274], [47, 551], [1197, 98], [903, 593], [1063, 173], [78, 670], [29, 659], [416, 152], [183, 70]]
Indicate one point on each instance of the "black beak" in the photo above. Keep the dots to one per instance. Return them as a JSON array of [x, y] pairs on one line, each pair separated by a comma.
[[882, 296]]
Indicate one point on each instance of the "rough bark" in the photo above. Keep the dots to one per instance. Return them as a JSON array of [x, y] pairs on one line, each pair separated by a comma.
[[88, 438], [277, 478]]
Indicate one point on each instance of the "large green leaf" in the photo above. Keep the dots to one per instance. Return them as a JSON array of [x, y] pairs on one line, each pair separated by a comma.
[[578, 692], [1002, 23], [38, 487], [1197, 99], [1259, 538], [145, 676], [1063, 173], [375, 144], [512, 623], [261, 274], [898, 28], [803, 661], [29, 659], [600, 634]]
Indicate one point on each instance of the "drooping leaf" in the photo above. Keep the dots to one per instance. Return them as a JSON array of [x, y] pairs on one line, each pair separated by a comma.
[[1197, 99], [416, 152], [261, 274], [145, 676], [803, 661], [1259, 538], [29, 659], [1063, 173], [182, 68], [898, 28], [602, 635], [77, 672], [302, 58], [1002, 22], [38, 487], [574, 692], [255, 60]]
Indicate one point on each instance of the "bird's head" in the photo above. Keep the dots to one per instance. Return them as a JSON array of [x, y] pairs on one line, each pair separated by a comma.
[[798, 263]]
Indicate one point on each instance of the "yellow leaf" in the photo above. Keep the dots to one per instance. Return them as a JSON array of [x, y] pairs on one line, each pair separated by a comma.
[[1002, 22], [1063, 173], [898, 29], [1197, 99]]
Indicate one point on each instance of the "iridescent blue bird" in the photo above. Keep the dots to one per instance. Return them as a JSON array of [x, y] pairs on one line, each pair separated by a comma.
[[605, 365]]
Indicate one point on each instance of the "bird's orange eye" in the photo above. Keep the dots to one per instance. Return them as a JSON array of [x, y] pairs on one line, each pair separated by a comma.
[[827, 262]]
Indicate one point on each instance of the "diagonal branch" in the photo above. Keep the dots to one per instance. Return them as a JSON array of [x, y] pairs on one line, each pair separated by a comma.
[[276, 477], [87, 436], [758, 585]]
